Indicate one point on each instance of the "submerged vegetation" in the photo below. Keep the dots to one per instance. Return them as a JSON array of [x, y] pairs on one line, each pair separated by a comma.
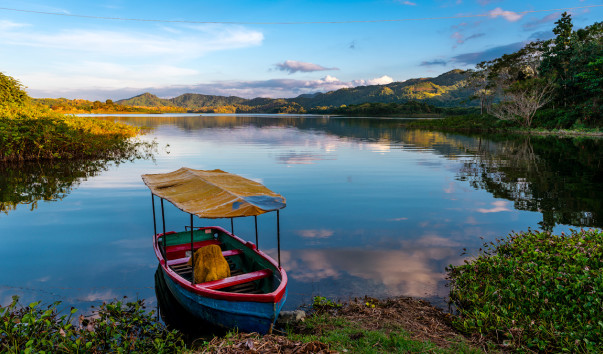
[[534, 290], [31, 132]]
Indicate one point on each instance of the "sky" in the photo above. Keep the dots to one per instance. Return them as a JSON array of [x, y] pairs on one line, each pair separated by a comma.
[[277, 48]]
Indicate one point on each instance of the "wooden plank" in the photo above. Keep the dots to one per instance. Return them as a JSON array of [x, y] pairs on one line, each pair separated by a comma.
[[232, 253], [179, 251], [235, 280]]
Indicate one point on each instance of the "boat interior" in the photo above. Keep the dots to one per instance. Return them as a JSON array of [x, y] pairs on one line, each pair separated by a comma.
[[250, 273]]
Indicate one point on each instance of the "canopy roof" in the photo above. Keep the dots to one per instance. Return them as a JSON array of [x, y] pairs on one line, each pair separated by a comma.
[[213, 194]]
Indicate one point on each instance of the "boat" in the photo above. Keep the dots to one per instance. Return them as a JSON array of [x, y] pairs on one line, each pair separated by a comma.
[[251, 298]]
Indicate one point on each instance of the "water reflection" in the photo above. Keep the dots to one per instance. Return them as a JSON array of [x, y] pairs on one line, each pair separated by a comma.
[[373, 208], [558, 177], [28, 182]]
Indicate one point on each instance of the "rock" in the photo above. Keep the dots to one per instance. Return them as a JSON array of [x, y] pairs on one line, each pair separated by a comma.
[[290, 317]]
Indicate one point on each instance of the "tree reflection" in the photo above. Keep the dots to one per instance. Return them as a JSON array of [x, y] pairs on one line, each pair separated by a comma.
[[558, 177], [50, 180]]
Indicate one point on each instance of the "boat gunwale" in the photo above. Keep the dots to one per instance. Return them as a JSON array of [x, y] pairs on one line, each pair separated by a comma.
[[272, 297]]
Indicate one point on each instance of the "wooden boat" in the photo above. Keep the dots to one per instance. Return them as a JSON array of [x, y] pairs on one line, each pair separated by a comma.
[[252, 297]]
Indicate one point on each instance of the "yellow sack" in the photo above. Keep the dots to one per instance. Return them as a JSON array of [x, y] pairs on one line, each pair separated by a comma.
[[210, 264]]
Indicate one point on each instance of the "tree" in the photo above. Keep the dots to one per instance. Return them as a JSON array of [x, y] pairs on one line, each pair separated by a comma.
[[11, 91], [521, 101]]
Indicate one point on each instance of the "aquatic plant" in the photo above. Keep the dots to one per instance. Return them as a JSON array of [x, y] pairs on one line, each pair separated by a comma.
[[115, 327], [534, 290]]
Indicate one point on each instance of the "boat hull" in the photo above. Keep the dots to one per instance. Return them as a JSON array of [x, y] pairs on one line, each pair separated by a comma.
[[247, 316]]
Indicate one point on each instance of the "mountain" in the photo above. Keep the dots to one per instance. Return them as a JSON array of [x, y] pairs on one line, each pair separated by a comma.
[[446, 90]]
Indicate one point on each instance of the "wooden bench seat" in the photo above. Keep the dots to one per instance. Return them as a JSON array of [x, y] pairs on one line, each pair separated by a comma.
[[235, 280]]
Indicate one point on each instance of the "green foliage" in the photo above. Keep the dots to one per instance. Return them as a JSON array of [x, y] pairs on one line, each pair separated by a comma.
[[11, 91], [380, 109], [562, 74], [115, 327], [31, 132], [535, 290], [321, 302]]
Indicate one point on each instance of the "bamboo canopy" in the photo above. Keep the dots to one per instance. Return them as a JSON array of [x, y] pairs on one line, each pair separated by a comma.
[[213, 194]]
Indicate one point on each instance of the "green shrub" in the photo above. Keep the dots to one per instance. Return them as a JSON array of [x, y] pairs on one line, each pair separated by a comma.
[[116, 327], [535, 290], [11, 91], [31, 132]]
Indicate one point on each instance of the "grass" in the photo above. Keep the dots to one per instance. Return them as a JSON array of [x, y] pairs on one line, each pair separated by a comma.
[[30, 132], [535, 291], [343, 335]]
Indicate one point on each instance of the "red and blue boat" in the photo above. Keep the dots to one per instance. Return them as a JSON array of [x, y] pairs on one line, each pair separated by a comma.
[[251, 298]]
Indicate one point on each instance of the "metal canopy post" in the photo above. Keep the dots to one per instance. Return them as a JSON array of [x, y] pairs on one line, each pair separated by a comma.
[[278, 236], [231, 226], [163, 237], [192, 252], [154, 220], [257, 245]]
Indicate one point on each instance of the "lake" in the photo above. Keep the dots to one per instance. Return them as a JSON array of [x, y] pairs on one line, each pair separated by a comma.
[[372, 208]]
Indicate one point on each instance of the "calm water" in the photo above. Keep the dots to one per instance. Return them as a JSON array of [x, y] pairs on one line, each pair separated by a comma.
[[373, 209]]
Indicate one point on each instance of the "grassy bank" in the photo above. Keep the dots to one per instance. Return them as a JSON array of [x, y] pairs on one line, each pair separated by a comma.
[[30, 132], [476, 123], [529, 292]]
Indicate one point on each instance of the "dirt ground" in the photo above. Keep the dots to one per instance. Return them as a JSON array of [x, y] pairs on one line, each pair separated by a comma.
[[420, 319]]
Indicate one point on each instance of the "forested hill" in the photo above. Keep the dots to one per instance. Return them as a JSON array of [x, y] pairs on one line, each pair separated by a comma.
[[446, 90]]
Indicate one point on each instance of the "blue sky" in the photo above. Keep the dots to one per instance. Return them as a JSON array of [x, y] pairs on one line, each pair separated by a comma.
[[92, 58]]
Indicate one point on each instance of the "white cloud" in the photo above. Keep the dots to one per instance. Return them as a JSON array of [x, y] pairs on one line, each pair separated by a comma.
[[507, 15], [7, 25], [293, 66], [195, 42], [409, 3], [100, 88]]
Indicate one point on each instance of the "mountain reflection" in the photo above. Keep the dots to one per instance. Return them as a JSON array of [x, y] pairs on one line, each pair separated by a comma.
[[558, 177]]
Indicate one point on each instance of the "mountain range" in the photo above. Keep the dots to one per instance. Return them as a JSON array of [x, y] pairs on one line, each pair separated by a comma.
[[445, 90]]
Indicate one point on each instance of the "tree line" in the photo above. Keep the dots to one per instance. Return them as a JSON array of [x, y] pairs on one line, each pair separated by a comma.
[[555, 83]]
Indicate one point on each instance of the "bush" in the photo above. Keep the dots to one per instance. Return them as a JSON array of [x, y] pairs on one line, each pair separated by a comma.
[[116, 327], [535, 290], [31, 132], [11, 91]]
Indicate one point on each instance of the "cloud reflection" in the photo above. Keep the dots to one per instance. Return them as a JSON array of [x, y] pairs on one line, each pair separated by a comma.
[[417, 269], [499, 206]]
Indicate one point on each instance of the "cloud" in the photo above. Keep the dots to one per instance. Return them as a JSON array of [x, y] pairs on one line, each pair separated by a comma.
[[434, 62], [409, 3], [7, 25], [498, 206], [383, 80], [488, 54], [507, 15], [293, 66], [486, 2], [546, 20], [195, 42], [98, 88]]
